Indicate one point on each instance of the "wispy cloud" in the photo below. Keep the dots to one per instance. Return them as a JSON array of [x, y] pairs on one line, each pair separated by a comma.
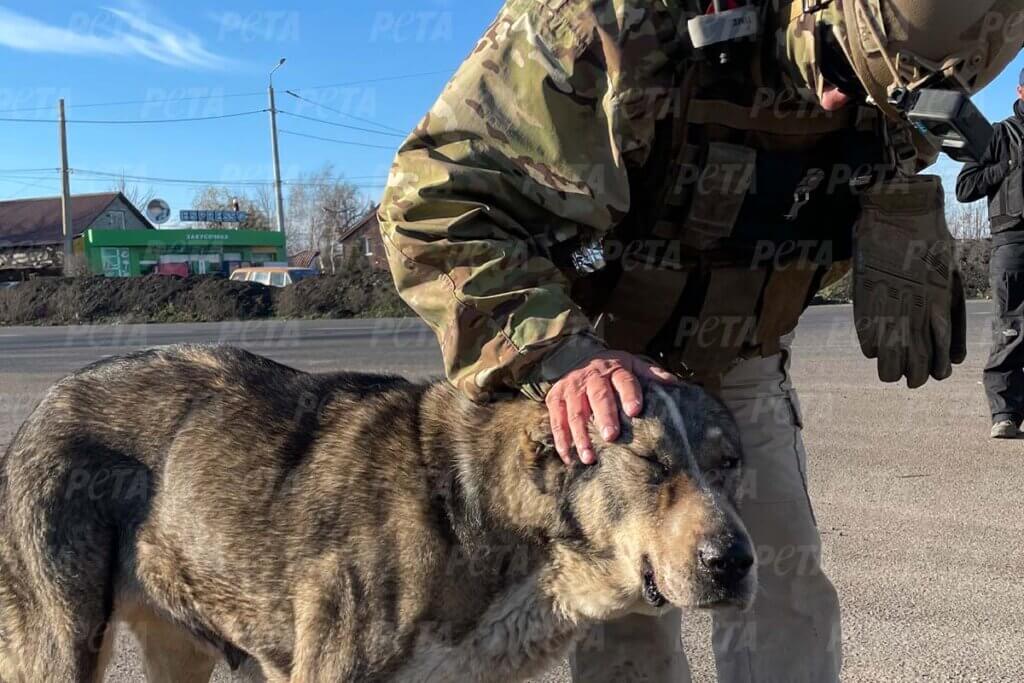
[[133, 30]]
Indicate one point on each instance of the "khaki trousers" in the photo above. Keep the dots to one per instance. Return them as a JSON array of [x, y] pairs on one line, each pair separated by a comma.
[[792, 633]]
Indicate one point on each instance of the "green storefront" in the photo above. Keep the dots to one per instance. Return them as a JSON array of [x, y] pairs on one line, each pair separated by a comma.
[[127, 253]]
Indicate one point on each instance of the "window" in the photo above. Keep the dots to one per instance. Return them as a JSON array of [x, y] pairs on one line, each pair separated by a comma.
[[239, 276], [262, 278], [277, 280], [113, 219], [367, 247]]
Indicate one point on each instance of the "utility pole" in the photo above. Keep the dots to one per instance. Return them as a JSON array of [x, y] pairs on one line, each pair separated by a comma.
[[273, 145], [65, 189]]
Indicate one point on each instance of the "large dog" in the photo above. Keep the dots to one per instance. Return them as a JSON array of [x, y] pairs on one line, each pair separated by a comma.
[[344, 527]]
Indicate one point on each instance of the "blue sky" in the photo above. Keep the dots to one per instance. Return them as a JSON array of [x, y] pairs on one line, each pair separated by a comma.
[[192, 59]]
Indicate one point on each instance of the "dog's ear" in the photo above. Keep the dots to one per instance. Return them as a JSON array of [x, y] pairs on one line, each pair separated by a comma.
[[539, 457]]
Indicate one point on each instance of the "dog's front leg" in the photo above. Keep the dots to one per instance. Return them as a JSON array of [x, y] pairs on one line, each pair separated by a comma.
[[325, 636], [520, 635]]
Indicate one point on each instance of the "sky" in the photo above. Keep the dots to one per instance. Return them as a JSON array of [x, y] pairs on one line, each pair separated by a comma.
[[196, 59], [366, 70]]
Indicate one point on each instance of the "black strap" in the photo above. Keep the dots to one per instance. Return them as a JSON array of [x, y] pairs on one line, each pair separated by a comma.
[[1015, 129]]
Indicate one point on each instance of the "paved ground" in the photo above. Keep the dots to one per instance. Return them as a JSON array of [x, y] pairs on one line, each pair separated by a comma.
[[920, 513]]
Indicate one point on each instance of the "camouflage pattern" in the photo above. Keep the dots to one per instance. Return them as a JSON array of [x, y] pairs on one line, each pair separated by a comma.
[[797, 46], [529, 146]]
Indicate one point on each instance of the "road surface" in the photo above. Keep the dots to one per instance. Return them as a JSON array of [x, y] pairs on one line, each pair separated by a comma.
[[921, 514]]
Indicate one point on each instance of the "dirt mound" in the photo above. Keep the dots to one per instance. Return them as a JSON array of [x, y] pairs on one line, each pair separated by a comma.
[[212, 299], [70, 301], [361, 293]]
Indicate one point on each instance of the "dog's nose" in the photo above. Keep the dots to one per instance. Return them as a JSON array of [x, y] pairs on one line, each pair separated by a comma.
[[727, 560]]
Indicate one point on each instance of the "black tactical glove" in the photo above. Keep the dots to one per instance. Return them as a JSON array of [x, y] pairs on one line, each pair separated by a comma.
[[908, 291]]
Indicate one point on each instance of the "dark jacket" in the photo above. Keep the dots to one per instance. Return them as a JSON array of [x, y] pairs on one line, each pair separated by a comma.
[[997, 178]]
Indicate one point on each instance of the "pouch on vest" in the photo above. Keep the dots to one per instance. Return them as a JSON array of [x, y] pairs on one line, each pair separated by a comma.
[[718, 194]]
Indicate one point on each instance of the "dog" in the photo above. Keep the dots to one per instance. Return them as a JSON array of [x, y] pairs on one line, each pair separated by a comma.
[[345, 527]]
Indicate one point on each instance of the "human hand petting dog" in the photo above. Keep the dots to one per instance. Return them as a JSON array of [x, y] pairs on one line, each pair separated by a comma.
[[596, 390]]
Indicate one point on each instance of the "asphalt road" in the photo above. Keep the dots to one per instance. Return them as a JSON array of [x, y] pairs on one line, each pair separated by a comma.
[[920, 513]]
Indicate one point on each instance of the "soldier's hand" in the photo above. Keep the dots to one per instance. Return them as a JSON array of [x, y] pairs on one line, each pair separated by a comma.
[[596, 390]]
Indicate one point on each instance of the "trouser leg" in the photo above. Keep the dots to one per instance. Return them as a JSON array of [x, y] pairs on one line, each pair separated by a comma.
[[1004, 372], [792, 632]]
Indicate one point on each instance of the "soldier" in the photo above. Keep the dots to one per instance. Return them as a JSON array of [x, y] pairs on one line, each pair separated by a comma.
[[601, 197]]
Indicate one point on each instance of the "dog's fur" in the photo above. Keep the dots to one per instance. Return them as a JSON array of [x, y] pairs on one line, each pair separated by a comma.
[[342, 527]]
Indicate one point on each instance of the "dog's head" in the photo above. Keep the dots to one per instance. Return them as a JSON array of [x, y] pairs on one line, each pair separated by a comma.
[[657, 511]]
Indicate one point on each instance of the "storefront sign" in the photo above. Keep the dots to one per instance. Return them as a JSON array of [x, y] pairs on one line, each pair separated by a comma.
[[195, 216]]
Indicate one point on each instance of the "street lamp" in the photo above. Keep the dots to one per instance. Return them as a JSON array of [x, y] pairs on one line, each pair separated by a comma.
[[278, 66], [273, 148]]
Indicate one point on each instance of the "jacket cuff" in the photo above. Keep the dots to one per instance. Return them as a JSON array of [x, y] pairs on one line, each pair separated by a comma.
[[567, 355]]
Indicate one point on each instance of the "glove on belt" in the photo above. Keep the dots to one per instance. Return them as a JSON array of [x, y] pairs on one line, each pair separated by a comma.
[[908, 297]]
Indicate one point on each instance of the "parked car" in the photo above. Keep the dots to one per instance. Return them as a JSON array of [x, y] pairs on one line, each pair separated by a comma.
[[172, 269], [273, 276]]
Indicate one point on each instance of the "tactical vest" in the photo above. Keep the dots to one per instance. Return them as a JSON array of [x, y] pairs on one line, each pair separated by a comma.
[[1006, 207], [755, 208]]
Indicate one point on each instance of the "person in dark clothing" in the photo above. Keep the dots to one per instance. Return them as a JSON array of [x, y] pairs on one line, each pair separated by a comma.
[[998, 176]]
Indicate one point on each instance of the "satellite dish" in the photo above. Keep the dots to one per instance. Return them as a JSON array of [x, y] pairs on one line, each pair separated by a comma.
[[158, 211]]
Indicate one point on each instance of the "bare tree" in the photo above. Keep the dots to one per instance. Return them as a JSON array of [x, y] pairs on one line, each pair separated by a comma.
[[218, 198], [264, 201], [321, 207], [969, 221], [139, 196]]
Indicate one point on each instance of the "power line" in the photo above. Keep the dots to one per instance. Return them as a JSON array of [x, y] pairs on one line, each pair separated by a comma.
[[231, 184], [377, 80], [152, 100], [140, 121], [339, 125], [28, 170], [107, 176], [342, 113], [190, 98], [340, 142]]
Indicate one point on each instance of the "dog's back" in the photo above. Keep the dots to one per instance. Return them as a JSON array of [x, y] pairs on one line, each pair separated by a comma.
[[343, 527], [141, 483]]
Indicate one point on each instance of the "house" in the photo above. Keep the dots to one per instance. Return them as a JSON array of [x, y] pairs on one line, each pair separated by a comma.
[[363, 241], [31, 230], [307, 258]]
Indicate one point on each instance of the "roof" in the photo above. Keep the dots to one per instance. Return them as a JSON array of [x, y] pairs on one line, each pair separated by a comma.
[[39, 221], [371, 215], [304, 259]]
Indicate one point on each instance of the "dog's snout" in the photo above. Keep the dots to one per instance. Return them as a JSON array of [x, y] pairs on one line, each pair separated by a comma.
[[727, 560]]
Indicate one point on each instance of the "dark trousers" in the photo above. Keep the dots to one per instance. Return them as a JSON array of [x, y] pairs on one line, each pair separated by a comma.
[[1004, 373]]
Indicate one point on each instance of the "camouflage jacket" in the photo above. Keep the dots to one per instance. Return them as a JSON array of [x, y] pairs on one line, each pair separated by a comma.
[[534, 143], [530, 142]]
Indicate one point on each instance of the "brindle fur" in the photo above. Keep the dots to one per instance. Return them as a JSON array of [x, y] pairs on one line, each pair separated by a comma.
[[340, 527]]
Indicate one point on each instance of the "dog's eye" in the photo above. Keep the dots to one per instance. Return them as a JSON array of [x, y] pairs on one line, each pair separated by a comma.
[[730, 463]]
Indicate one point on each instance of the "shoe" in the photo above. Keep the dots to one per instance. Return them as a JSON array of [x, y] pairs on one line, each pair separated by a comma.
[[1005, 430]]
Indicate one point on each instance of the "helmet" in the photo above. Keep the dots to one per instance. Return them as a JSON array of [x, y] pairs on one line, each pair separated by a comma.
[[908, 44]]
